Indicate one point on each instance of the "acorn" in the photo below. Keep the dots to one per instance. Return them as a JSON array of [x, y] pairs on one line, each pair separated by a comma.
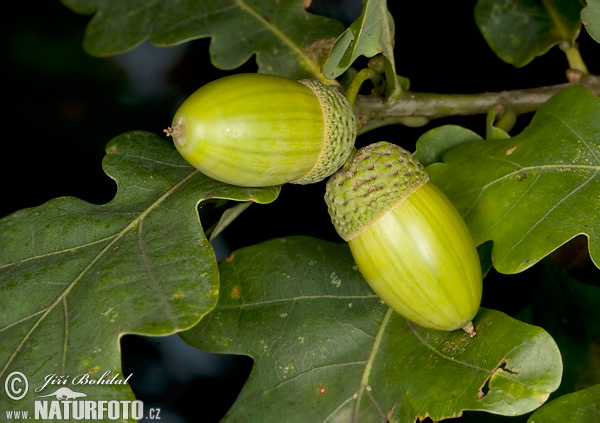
[[263, 130], [408, 240]]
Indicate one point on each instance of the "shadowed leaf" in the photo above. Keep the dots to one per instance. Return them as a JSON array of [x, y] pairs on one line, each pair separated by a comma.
[[581, 406], [568, 310], [286, 39], [519, 30]]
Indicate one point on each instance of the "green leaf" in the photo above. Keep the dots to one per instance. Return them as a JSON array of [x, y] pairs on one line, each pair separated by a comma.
[[326, 349], [286, 39], [371, 34], [519, 30], [433, 144], [590, 16], [581, 406], [75, 276], [535, 191]]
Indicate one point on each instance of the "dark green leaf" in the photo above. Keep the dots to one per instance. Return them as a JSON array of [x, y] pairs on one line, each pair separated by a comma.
[[75, 277], [581, 406], [590, 16], [519, 30], [535, 191], [569, 311], [327, 350], [287, 40], [371, 34], [485, 257], [433, 144]]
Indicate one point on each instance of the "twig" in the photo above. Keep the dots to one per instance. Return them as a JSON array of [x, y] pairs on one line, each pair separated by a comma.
[[411, 106]]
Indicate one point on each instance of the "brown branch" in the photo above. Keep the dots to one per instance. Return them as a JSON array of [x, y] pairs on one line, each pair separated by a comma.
[[416, 109]]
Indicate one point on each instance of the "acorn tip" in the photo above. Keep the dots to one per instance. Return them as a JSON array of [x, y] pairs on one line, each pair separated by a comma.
[[470, 329]]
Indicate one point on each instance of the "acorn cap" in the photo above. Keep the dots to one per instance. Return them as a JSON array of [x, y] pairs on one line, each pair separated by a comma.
[[339, 133], [373, 181]]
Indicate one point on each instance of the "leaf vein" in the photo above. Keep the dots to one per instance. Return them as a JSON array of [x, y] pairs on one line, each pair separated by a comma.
[[563, 199], [160, 162], [508, 175], [364, 382], [22, 320], [464, 363], [303, 57], [66, 250], [339, 407], [314, 369], [516, 202], [376, 403], [66, 335], [300, 298], [577, 134], [149, 270]]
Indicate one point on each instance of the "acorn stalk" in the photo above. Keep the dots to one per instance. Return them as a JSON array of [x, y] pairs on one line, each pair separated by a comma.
[[262, 130], [408, 240]]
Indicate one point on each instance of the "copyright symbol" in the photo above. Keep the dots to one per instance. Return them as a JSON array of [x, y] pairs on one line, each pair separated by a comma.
[[12, 388]]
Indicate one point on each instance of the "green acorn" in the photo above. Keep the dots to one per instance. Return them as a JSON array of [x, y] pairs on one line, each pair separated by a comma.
[[263, 130], [408, 240]]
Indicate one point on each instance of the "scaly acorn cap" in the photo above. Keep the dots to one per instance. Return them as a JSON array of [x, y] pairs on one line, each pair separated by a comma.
[[372, 182], [339, 133]]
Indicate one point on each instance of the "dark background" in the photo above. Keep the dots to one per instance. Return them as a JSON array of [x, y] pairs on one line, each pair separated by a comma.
[[62, 106]]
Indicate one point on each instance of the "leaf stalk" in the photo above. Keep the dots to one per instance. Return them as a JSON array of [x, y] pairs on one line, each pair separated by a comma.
[[358, 80], [574, 58]]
